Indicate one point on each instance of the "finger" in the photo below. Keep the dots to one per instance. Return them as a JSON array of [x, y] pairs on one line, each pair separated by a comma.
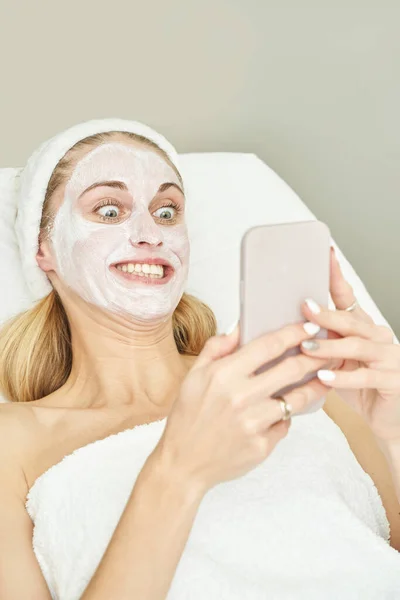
[[354, 347], [345, 323], [268, 411], [217, 347], [269, 346], [361, 379], [289, 371], [272, 435], [341, 291]]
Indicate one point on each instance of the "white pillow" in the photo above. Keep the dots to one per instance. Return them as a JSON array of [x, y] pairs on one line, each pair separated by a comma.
[[226, 194], [14, 295]]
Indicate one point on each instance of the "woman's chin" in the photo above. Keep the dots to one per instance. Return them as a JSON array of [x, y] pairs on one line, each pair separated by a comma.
[[149, 319]]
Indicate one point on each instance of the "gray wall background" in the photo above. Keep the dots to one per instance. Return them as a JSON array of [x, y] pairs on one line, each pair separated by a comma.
[[310, 86]]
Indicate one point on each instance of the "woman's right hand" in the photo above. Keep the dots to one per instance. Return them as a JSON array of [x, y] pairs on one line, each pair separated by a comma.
[[225, 421]]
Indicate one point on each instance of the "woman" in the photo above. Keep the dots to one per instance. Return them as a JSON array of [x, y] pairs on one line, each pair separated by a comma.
[[142, 456]]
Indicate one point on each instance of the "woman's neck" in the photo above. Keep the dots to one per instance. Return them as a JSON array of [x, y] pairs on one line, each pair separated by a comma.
[[134, 370]]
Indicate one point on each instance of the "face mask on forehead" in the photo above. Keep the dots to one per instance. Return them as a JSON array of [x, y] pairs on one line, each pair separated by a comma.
[[96, 248]]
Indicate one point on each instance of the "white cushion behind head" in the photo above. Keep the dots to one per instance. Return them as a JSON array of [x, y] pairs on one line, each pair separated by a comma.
[[14, 295], [226, 194]]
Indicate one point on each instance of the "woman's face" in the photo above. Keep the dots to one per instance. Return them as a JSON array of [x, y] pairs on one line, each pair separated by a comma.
[[123, 245]]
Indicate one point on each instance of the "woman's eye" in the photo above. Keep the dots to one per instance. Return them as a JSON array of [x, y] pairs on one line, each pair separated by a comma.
[[165, 212], [111, 211]]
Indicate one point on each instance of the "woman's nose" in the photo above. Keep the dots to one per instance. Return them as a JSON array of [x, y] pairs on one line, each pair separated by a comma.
[[145, 243], [145, 232]]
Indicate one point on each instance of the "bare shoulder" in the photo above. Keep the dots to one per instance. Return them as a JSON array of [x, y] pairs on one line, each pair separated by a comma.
[[37, 435], [17, 426], [27, 431], [17, 432], [33, 437], [367, 452]]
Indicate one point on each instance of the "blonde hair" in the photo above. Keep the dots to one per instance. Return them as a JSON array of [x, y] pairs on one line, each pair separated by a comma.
[[35, 346]]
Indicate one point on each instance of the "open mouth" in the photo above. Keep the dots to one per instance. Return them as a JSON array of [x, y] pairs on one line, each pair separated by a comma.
[[144, 272]]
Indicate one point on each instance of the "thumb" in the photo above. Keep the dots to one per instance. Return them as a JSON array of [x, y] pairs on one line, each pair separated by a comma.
[[217, 347], [341, 291]]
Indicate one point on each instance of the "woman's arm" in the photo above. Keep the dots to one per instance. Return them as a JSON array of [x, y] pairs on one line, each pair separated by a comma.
[[20, 573], [392, 455], [148, 542], [372, 458]]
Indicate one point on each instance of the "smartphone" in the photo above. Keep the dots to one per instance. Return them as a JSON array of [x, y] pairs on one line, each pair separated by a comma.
[[280, 266]]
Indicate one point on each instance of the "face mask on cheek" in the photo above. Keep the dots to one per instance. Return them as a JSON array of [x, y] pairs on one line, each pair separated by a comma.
[[86, 251]]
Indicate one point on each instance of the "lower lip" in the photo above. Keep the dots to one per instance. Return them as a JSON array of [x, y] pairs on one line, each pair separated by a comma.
[[168, 273]]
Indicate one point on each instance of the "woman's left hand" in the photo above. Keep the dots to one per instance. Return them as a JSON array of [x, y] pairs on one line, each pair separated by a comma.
[[369, 377]]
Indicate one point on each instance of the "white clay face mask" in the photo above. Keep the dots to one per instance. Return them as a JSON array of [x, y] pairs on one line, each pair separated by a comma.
[[131, 254]]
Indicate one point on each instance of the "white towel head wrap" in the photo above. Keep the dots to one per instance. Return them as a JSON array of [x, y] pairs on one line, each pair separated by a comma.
[[35, 176]]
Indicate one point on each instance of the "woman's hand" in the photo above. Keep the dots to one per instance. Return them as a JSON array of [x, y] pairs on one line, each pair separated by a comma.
[[369, 376], [225, 421]]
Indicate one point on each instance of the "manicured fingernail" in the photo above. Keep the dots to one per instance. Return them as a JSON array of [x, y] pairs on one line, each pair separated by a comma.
[[231, 328], [313, 306], [326, 375], [311, 328], [310, 345]]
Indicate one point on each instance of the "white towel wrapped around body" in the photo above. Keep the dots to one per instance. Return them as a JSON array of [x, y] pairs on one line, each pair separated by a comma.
[[307, 523]]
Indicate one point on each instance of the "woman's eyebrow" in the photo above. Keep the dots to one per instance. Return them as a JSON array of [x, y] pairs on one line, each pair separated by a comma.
[[165, 186], [122, 186]]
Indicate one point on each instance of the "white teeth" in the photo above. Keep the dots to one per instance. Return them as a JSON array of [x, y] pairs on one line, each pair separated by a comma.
[[143, 270]]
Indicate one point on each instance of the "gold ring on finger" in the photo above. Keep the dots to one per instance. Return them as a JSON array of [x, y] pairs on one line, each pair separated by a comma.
[[286, 408], [352, 306]]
